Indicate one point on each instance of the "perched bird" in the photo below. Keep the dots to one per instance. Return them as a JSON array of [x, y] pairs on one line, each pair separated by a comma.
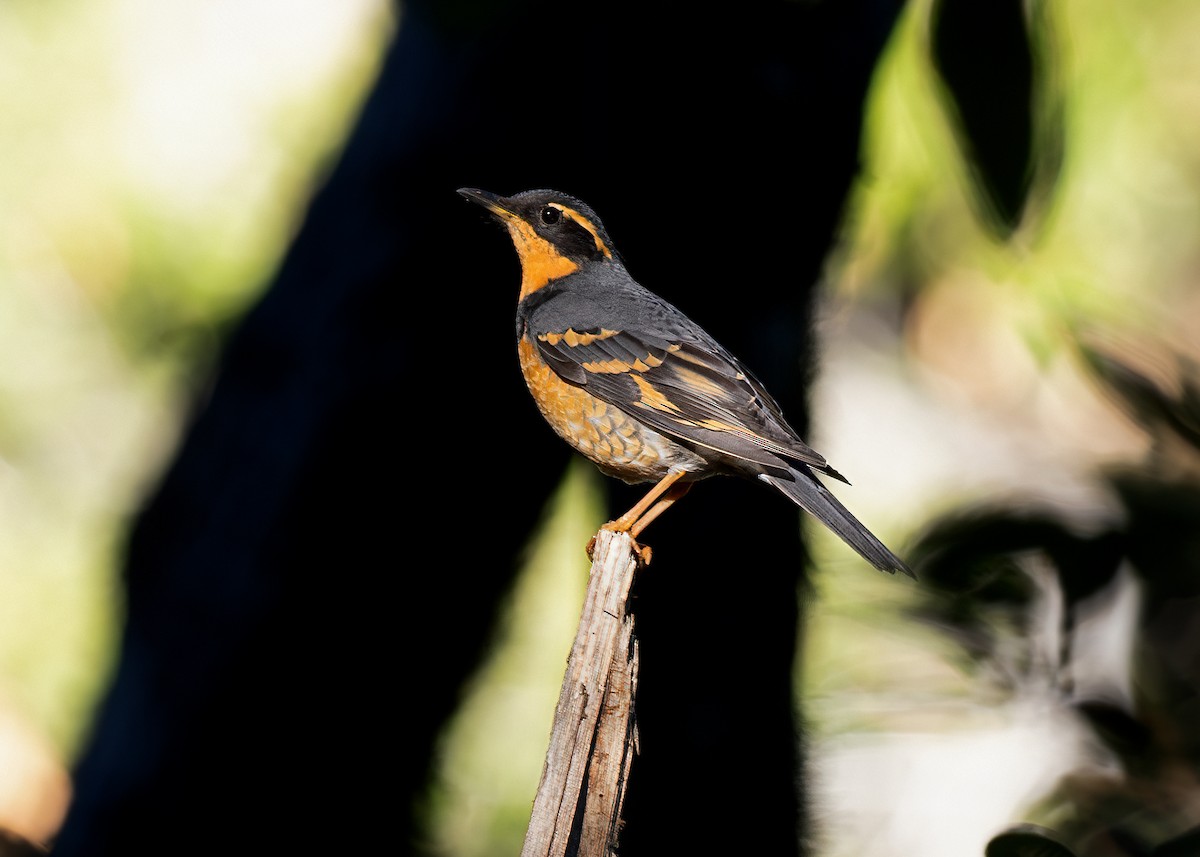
[[639, 388]]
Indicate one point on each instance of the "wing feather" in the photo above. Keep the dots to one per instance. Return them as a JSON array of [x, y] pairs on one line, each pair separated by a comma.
[[687, 388]]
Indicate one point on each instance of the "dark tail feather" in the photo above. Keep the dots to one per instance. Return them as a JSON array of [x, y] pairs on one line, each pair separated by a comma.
[[814, 498]]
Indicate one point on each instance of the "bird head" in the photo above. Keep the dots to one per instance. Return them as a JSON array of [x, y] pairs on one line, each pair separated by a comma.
[[554, 234]]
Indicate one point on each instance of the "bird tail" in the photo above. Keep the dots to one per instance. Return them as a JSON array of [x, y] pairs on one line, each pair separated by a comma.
[[810, 495]]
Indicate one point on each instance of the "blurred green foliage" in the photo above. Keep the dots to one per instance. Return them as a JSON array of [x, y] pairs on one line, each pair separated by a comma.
[[1003, 411], [153, 163]]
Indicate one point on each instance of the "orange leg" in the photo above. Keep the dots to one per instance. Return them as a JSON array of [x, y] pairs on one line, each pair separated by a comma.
[[657, 500], [626, 522], [675, 492]]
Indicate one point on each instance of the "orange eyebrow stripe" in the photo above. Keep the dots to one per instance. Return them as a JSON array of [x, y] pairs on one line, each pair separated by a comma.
[[586, 224]]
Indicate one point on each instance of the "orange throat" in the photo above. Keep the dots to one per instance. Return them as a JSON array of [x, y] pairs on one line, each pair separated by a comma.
[[540, 260]]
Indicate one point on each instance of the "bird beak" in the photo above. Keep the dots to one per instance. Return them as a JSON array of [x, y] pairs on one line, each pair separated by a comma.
[[490, 201]]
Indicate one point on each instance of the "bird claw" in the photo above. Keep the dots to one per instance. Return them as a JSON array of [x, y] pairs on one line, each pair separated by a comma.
[[641, 552]]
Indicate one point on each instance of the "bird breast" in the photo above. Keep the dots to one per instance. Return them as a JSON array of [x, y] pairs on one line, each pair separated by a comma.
[[614, 441]]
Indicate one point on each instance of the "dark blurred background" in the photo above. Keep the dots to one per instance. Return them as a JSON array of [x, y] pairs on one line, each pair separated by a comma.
[[290, 561]]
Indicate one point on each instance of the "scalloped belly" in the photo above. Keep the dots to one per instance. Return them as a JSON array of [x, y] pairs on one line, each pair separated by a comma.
[[615, 442]]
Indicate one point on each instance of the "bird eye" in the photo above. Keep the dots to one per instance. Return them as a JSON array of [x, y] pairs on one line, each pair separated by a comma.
[[551, 215]]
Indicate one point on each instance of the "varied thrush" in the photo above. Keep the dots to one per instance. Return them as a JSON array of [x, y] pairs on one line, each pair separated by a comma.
[[640, 389]]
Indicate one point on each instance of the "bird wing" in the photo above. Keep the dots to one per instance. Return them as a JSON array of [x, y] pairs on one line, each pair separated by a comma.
[[679, 382]]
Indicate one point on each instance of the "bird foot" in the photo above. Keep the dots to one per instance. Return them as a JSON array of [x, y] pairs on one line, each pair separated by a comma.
[[641, 552]]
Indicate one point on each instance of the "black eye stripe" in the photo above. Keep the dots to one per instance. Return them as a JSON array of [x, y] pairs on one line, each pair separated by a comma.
[[564, 229]]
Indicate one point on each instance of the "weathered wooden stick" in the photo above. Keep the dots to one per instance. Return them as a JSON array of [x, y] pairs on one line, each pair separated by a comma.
[[577, 810]]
